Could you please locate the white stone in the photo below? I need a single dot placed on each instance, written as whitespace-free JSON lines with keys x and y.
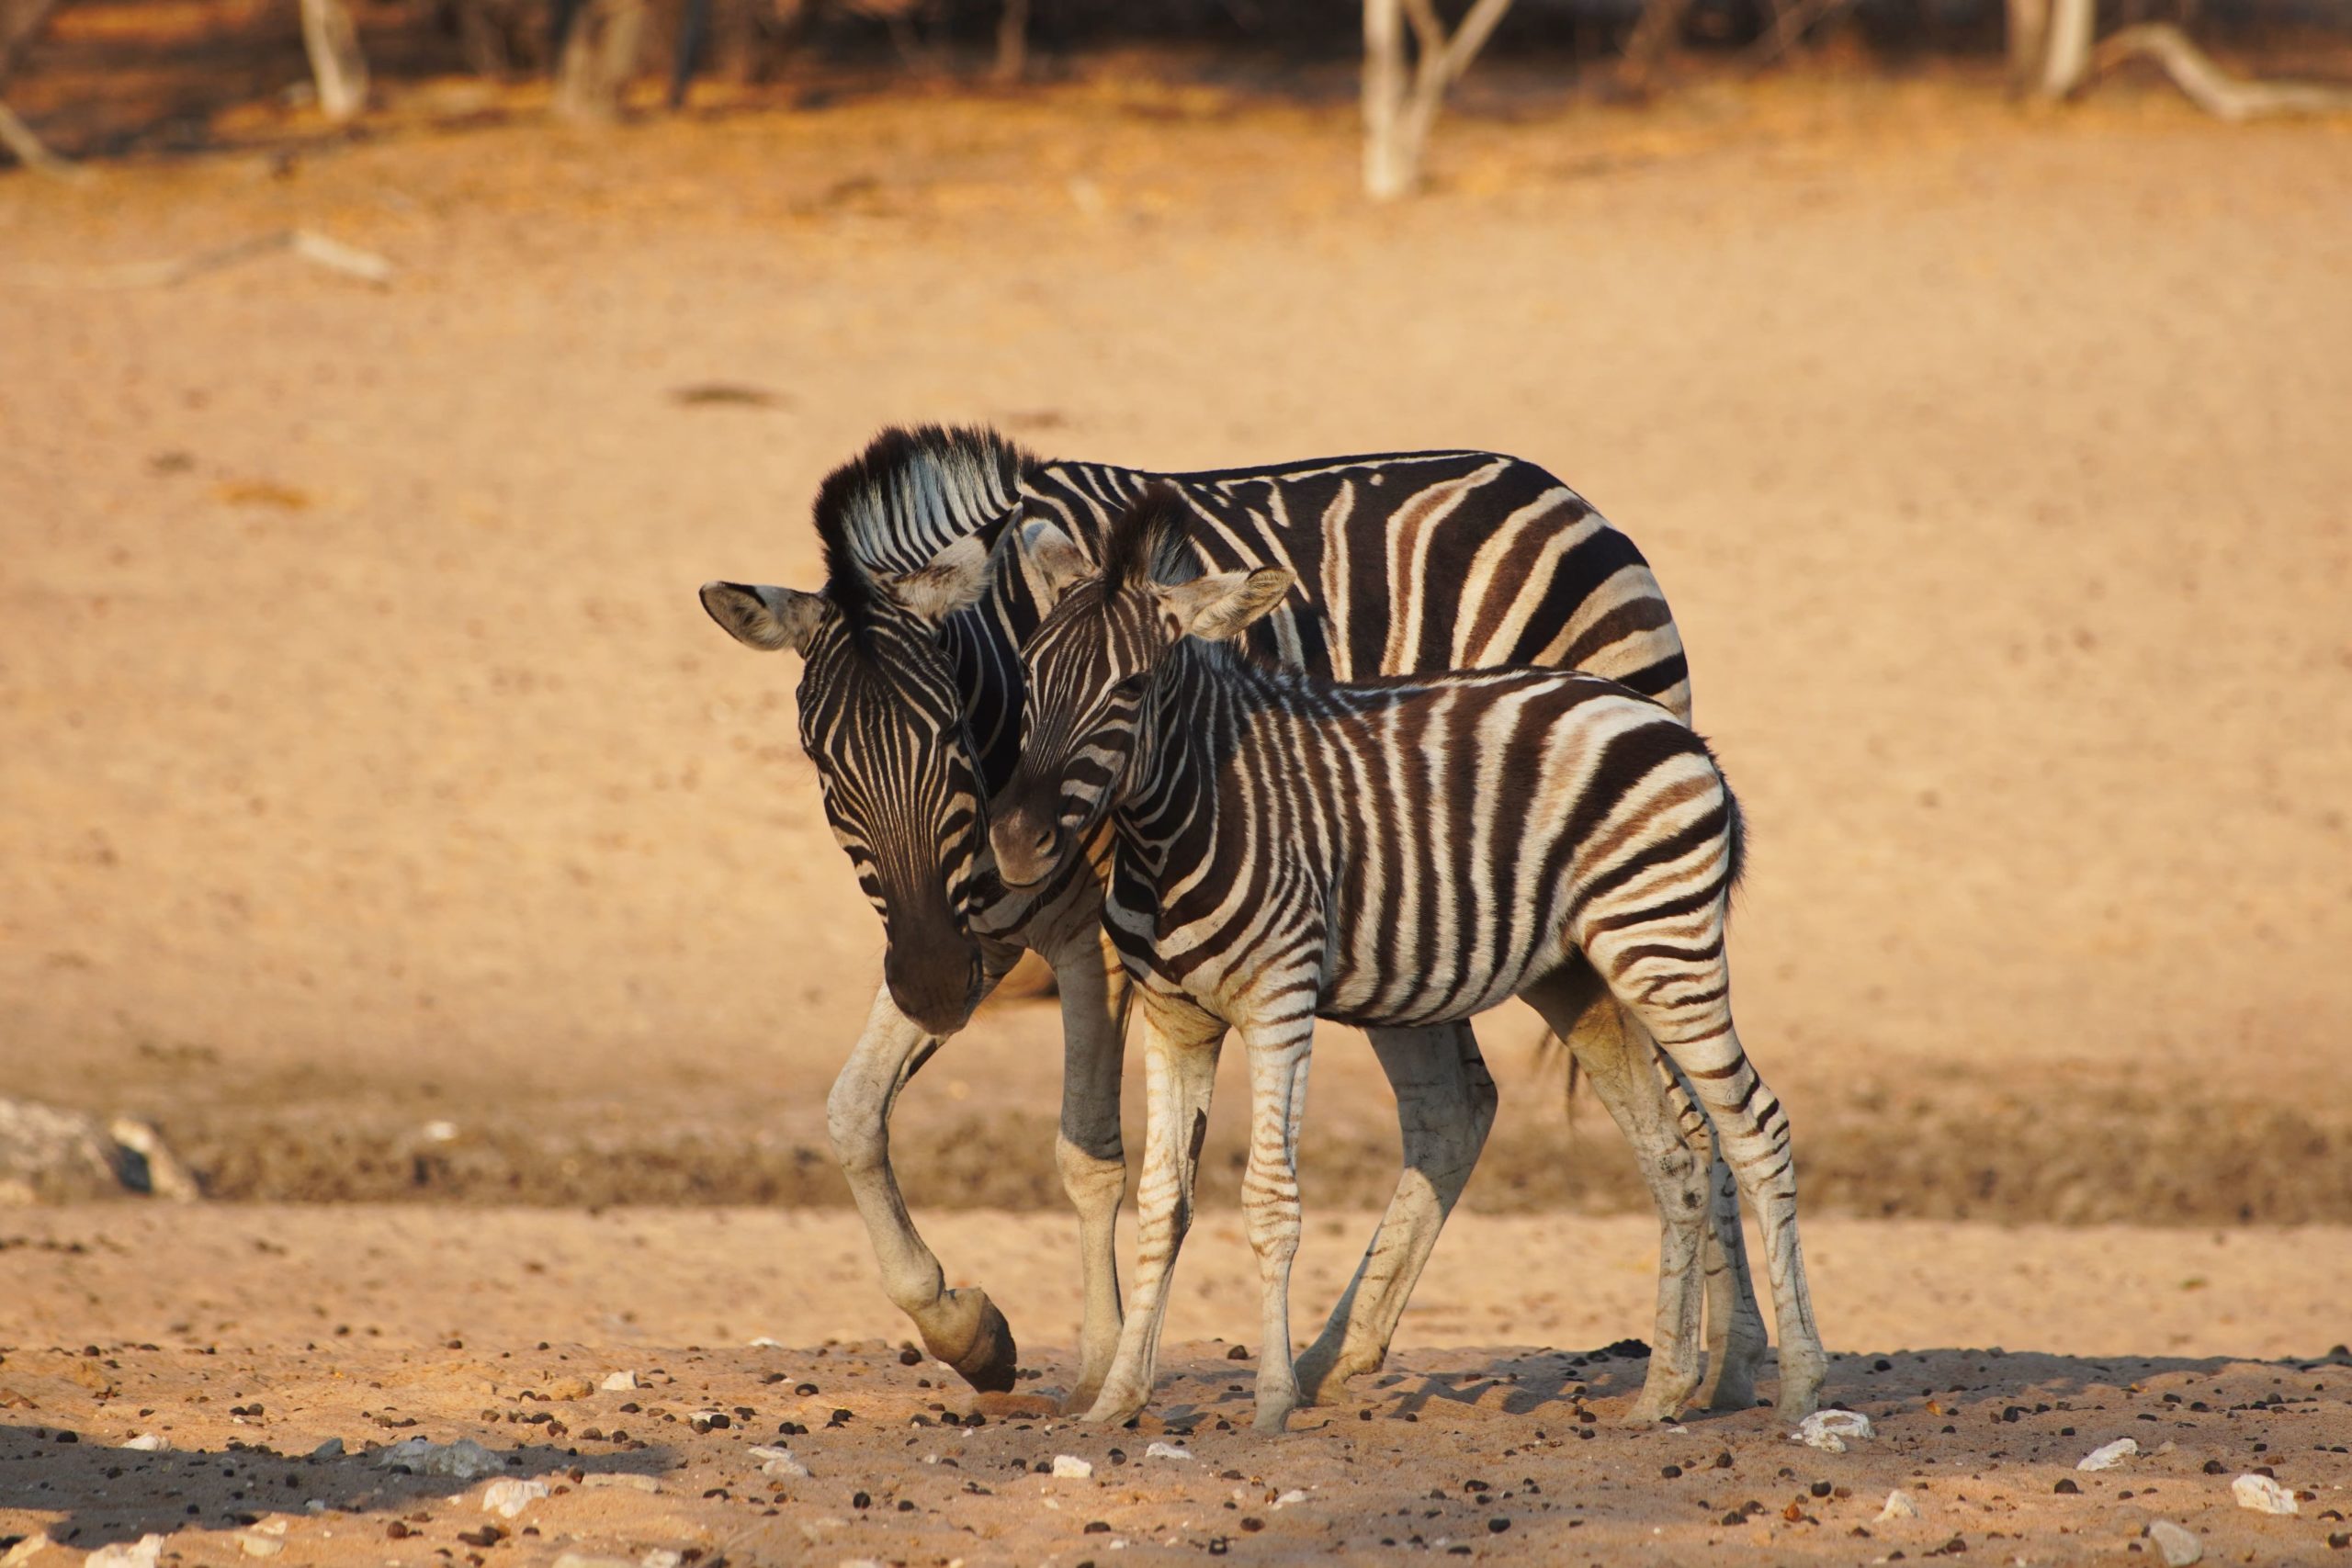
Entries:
{"x":1831,"y":1430}
{"x":2107,"y":1456}
{"x":779,"y":1461}
{"x":582,"y":1560}
{"x":662,"y":1557}
{"x":1069,"y":1467}
{"x":1167,"y":1451}
{"x":626,"y":1479}
{"x":1899,"y":1505}
{"x":2178,"y":1546}
{"x":511,"y":1496}
{"x":260,"y":1545}
{"x":141,"y":1553}
{"x":331,"y":1448}
{"x":464,"y":1459}
{"x":149,"y":1443}
{"x":25,"y":1550}
{"x":2263,"y":1496}
{"x":618,"y":1382}
{"x":1293,"y":1496}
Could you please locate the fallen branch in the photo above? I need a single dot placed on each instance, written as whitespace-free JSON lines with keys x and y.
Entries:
{"x":314,"y":248}
{"x":2209,"y":88}
{"x":19,"y":139}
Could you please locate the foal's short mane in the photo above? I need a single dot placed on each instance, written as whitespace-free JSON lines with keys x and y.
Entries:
{"x":913,"y":491}
{"x":1149,"y":541}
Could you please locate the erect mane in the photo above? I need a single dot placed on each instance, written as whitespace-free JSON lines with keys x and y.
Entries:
{"x":1150,"y":542}
{"x":911,"y":494}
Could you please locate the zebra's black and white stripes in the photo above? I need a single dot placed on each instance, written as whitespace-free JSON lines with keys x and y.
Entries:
{"x":1395,"y":852}
{"x":911,"y":705}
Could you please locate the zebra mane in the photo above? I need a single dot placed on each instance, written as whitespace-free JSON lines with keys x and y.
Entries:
{"x":912,"y":492}
{"x":1150,"y":542}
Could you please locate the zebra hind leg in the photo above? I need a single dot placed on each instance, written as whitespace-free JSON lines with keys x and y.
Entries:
{"x":1445,"y":1106}
{"x":1614,"y":1051}
{"x":1679,"y":989}
{"x":1736,"y":1337}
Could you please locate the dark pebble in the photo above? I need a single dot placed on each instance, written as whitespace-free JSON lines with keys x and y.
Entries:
{"x":1821,"y":1489}
{"x":1238,"y":1353}
{"x":1671,"y":1472}
{"x":1497,"y":1526}
{"x":2066,"y":1484}
{"x":1253,"y":1524}
{"x":910,"y":1357}
{"x":861,"y":1500}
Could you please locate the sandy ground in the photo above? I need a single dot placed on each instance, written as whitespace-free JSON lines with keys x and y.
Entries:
{"x":378,"y":813}
{"x":1991,"y":1359}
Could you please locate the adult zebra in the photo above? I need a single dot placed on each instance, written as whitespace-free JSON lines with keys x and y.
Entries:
{"x":1391,"y":853}
{"x":910,"y":704}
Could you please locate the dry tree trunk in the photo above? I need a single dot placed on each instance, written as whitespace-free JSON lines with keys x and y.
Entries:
{"x":1398,"y":114}
{"x":600,"y":52}
{"x":2029,"y":32}
{"x":1654,"y":30}
{"x":2067,"y":47}
{"x":1013,"y":41}
{"x":336,"y":65}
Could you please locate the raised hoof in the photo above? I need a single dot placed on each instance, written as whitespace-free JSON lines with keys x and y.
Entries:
{"x":1081,"y":1400}
{"x":986,"y":1357}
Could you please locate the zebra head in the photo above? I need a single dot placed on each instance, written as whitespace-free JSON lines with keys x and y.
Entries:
{"x":1089,"y":666}
{"x":883,"y":713}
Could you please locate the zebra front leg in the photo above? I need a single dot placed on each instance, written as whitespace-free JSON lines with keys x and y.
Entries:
{"x":1736,"y":1337}
{"x":1093,"y":1161}
{"x":1616,"y":1053}
{"x":960,"y":1327}
{"x":1180,"y":1051}
{"x":1445,"y":1107}
{"x":1280,"y":1049}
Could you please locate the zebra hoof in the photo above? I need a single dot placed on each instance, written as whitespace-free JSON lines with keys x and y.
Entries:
{"x":1324,"y":1380}
{"x":982,"y":1353}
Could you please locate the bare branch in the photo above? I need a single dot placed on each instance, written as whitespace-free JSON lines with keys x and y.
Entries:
{"x":19,"y":139}
{"x":2206,"y":84}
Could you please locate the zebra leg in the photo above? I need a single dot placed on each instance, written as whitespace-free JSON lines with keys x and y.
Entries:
{"x":1680,"y":992}
{"x":1180,"y":1050}
{"x":1736,"y":1337}
{"x":961,"y":1327}
{"x":1280,"y":1050}
{"x":1615,"y":1053}
{"x":1093,"y":1161}
{"x":1445,"y":1107}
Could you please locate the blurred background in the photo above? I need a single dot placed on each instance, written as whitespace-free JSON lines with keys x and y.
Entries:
{"x":381,"y":816}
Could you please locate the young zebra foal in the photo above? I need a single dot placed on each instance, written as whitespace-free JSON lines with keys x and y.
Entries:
{"x":1393,"y":853}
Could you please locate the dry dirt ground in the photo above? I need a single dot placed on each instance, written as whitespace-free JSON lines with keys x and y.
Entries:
{"x":247,"y":1336}
{"x":380,"y":815}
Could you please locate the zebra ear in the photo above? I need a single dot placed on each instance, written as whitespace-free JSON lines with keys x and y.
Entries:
{"x":1221,"y":605}
{"x":1054,"y":562}
{"x":951,"y":581}
{"x":764,"y":619}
